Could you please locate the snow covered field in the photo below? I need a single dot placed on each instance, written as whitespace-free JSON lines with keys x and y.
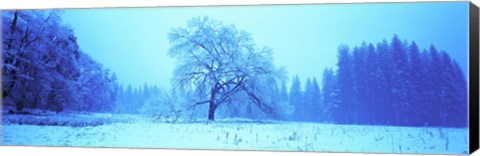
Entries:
{"x":245,"y":135}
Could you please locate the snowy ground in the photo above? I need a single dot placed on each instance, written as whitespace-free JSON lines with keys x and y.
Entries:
{"x":283,"y":136}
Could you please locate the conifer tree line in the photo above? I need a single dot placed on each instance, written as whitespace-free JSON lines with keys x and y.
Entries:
{"x":390,"y":83}
{"x":135,"y":100}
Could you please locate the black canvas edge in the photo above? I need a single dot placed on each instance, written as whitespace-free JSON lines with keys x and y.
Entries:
{"x":473,"y":78}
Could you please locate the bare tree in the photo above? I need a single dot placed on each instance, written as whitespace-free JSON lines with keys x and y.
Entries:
{"x":218,"y":61}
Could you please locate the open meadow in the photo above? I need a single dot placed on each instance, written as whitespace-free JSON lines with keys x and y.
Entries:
{"x":234,"y":134}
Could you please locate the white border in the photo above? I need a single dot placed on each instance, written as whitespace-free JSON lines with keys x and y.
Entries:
{"x":77,"y":151}
{"x":48,"y":4}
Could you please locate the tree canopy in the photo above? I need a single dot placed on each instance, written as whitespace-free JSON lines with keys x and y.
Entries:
{"x":44,"y":68}
{"x":218,"y":61}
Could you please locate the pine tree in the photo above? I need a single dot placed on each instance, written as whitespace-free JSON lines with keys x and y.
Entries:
{"x":329,"y":111}
{"x":384,"y":81}
{"x":316,"y":100}
{"x":417,"y":71}
{"x":447,"y":90}
{"x":283,"y":101}
{"x":146,"y":91}
{"x":434,"y":102}
{"x":128,"y":103}
{"x":307,"y":103}
{"x":296,"y":98}
{"x":283,"y":91}
{"x":360,"y":85}
{"x":459,"y":101}
{"x":400,"y":82}
{"x":345,"y":85}
{"x":371,"y":90}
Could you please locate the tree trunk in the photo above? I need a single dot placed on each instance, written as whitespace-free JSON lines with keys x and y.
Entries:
{"x":212,"y":107}
{"x":14,"y":22}
{"x":211,"y":111}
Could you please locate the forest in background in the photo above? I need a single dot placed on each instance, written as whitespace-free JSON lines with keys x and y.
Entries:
{"x":395,"y":83}
{"x":223,"y":73}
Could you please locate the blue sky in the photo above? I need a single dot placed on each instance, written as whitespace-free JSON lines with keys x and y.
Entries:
{"x":133,"y":41}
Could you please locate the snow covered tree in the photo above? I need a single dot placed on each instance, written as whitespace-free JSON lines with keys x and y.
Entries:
{"x":311,"y":101}
{"x":400,"y":83}
{"x":315,"y":99}
{"x":384,"y":84}
{"x":345,"y":85}
{"x":283,"y":94}
{"x":43,"y":67}
{"x":418,"y":73}
{"x":329,"y":97}
{"x":360,"y":86}
{"x":286,"y":108}
{"x":37,"y":49}
{"x":218,"y":61}
{"x":459,"y":103}
{"x":433,"y":87}
{"x":146,"y":91}
{"x":396,"y":84}
{"x":305,"y":106}
{"x":371,"y":63}
{"x":296,"y":98}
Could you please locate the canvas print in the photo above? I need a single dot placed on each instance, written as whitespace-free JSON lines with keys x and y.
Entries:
{"x":370,"y":78}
